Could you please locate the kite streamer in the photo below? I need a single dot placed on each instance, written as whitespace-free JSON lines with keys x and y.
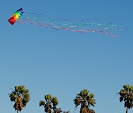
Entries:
{"x":82,"y":26}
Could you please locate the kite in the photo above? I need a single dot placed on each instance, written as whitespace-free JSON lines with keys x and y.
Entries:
{"x":93,"y":25}
{"x":15,"y":16}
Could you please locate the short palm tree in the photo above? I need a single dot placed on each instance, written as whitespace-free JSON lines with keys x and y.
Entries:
{"x":20,"y":96}
{"x":85,"y":100}
{"x":49,"y":103}
{"x":126,"y":95}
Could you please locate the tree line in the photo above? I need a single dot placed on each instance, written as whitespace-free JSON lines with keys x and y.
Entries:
{"x":21,"y":96}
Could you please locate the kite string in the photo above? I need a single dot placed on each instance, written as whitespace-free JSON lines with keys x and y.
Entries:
{"x":33,"y":13}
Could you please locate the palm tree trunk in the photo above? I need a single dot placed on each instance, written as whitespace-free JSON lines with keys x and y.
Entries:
{"x":126,"y":110}
{"x":17,"y":111}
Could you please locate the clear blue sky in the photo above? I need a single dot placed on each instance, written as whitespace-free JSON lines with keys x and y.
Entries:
{"x":63,"y":62}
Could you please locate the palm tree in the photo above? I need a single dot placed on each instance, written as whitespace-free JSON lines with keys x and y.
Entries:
{"x":20,"y":96}
{"x":126,"y":95}
{"x":49,"y":103}
{"x":85,"y":100}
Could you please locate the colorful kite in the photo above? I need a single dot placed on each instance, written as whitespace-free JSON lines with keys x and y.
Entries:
{"x":81,"y":26}
{"x":15,"y":16}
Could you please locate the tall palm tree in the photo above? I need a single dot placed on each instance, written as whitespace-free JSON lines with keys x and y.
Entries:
{"x":20,"y":96}
{"x":85,"y":100}
{"x":126,"y":95}
{"x":49,"y":103}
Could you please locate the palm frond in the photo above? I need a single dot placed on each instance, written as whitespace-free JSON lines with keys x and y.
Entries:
{"x":121,"y":99}
{"x":91,"y":95}
{"x":41,"y":103}
{"x":48,"y":97}
{"x":84,"y":92}
{"x":77,"y":101}
{"x":26,"y":91}
{"x":54,"y":100}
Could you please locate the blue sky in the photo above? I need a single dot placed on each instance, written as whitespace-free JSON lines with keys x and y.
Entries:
{"x":63,"y":62}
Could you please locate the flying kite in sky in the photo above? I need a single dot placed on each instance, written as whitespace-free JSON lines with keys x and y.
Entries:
{"x":82,"y":26}
{"x":15,"y":16}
